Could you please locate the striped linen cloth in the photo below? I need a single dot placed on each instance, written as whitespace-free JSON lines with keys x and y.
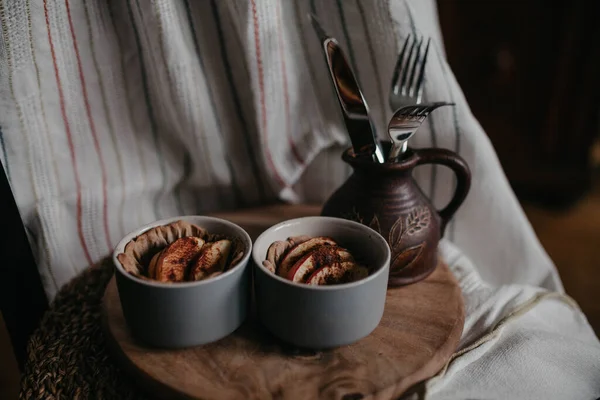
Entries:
{"x":117,"y":113}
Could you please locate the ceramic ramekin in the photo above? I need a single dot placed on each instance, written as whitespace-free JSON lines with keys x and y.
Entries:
{"x":321,"y":317}
{"x":190,"y":313}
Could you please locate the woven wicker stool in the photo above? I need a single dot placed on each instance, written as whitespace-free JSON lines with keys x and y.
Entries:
{"x":67,"y":356}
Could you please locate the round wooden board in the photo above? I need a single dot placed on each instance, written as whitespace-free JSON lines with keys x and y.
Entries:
{"x":420,"y":330}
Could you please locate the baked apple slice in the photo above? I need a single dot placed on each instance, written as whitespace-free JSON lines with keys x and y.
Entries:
{"x":212,"y":259}
{"x":299,"y":251}
{"x":324,"y":255}
{"x":278,"y":249}
{"x":344,"y":272}
{"x":171,"y":264}
{"x":152,"y":265}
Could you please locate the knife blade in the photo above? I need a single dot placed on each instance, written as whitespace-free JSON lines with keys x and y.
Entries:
{"x":352,"y":102}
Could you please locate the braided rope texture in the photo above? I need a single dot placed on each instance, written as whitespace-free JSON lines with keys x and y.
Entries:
{"x":67,"y":356}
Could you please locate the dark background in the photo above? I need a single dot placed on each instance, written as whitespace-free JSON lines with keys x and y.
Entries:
{"x":530,"y":71}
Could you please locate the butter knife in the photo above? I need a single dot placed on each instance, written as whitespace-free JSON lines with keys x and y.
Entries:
{"x":352,"y":102}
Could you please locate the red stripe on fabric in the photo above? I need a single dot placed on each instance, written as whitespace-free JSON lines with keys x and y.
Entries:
{"x":92,"y":128}
{"x":286,"y":98}
{"x":69,"y":139}
{"x":261,"y":89}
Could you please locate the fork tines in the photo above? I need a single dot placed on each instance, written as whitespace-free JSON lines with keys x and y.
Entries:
{"x":422,"y":109}
{"x":405,"y":71}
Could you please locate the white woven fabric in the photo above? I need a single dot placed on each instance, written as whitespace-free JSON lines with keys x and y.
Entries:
{"x":520,"y":341}
{"x":118,"y":113}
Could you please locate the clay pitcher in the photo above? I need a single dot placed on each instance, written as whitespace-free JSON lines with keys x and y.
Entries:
{"x":387,"y":198}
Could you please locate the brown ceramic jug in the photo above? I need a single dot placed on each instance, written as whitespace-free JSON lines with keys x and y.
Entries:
{"x":387,"y":198}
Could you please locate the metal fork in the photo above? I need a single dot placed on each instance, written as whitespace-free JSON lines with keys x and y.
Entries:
{"x":405,"y":122}
{"x":407,"y":81}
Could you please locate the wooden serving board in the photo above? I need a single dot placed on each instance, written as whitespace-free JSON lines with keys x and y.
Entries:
{"x":420,"y":330}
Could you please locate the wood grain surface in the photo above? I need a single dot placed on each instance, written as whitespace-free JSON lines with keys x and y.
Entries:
{"x":420,"y":329}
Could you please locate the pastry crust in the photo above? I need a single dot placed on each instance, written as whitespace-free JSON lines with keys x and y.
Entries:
{"x":278,"y":248}
{"x":167,"y":253}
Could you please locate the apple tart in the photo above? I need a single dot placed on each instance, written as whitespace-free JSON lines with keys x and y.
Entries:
{"x":313,"y":261}
{"x":180,"y":252}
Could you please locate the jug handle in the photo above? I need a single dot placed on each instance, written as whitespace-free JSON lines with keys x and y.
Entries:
{"x":463,"y":178}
